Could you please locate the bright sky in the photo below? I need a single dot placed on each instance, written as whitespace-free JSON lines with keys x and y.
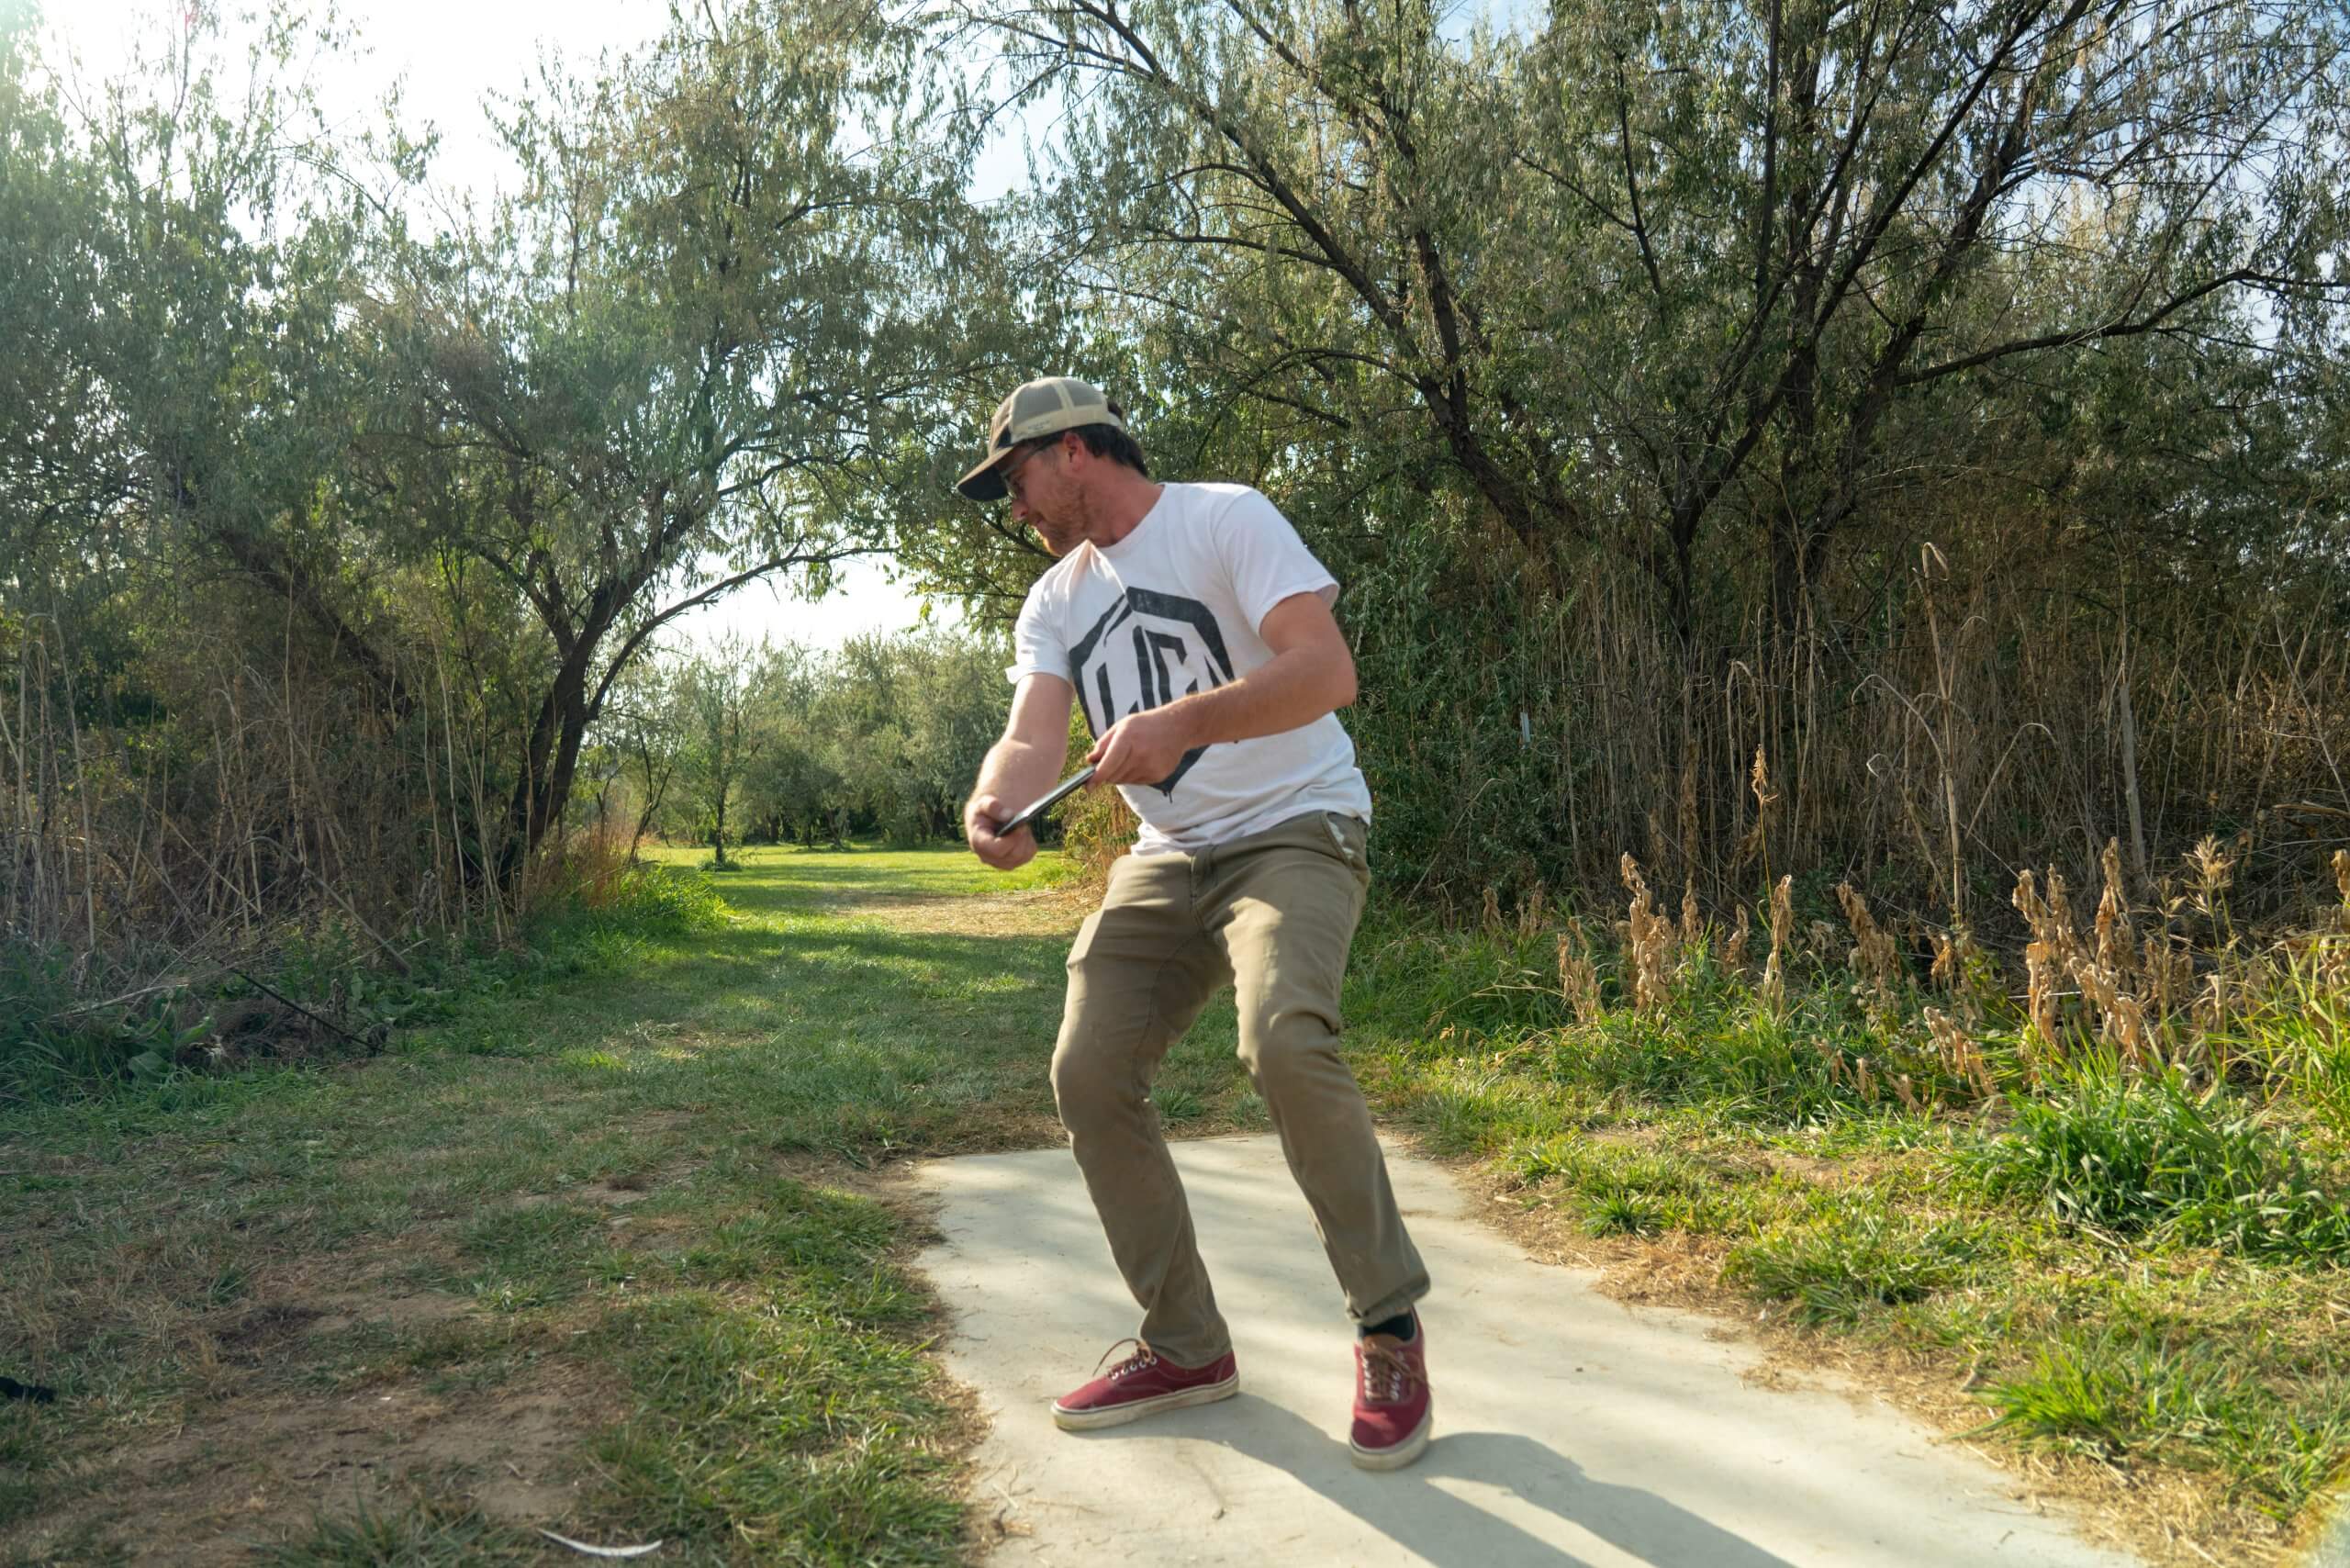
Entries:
{"x":449,"y":56}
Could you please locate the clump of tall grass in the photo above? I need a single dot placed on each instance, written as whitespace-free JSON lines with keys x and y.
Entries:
{"x":2151,"y":1157}
{"x":1861,"y":1261}
{"x":2114,"y":1393}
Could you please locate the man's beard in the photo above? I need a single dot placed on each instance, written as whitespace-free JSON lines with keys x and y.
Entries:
{"x":1060,"y":535}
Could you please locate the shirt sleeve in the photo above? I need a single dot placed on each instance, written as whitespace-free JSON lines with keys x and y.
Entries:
{"x":1037,"y":647}
{"x":1267,"y":561}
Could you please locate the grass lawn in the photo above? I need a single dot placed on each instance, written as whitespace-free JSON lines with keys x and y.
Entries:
{"x":600,"y":1245}
{"x":614,"y":1241}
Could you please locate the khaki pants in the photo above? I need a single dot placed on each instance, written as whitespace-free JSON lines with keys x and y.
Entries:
{"x":1272,"y":913}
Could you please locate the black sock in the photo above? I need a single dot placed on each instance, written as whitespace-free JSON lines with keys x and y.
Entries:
{"x":1395,"y":1328}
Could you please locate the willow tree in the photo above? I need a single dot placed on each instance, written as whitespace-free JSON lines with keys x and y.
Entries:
{"x":1729,"y":301}
{"x":1610,"y":264}
{"x":684,"y":355}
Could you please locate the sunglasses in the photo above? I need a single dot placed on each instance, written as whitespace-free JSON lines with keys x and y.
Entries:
{"x":1011,"y":469}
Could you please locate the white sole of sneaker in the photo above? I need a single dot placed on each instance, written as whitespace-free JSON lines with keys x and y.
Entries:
{"x":1119,"y":1414}
{"x":1402,"y":1453}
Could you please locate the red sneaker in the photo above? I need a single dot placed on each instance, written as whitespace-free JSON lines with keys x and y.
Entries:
{"x":1144,"y":1384}
{"x":1394,"y":1412}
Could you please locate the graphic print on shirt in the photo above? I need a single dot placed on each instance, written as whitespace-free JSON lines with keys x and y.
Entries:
{"x":1144,"y":653}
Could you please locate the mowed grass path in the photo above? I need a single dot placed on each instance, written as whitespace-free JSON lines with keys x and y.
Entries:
{"x":609,"y":1248}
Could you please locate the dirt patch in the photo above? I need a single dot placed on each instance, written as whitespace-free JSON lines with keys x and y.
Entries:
{"x":2169,"y":1519}
{"x":401,"y":1311}
{"x":248,"y":1339}
{"x":264,"y":1467}
{"x":616,"y":1194}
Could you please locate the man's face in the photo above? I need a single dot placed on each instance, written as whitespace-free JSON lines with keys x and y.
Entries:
{"x":1043,"y":496}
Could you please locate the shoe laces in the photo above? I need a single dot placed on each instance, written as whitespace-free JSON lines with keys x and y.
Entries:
{"x":1387,"y":1373}
{"x":1143,"y":1359}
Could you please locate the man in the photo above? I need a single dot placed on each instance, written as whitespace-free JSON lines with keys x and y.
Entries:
{"x":1195,"y":628}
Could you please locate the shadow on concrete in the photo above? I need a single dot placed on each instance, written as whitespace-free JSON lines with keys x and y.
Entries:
{"x":1410,"y":1508}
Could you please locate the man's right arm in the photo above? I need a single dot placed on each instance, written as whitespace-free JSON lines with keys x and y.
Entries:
{"x":1022,"y":766}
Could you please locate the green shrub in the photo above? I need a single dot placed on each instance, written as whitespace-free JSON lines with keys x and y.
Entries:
{"x":55,"y":1045}
{"x":662,"y":900}
{"x":2153,"y":1158}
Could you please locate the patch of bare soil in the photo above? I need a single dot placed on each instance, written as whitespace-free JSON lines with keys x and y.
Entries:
{"x":258,"y":1460}
{"x":615,"y":1193}
{"x":265,"y":1469}
{"x":2171,"y":1519}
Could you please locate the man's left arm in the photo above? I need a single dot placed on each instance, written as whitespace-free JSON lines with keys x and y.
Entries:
{"x":1312,"y":672}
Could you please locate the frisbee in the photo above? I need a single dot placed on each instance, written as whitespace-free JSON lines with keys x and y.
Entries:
{"x":1059,"y":793}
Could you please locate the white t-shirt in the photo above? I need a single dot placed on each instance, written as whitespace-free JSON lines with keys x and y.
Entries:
{"x":1175,"y":607}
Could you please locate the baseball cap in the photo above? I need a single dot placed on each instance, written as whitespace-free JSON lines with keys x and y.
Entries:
{"x":1035,"y":408}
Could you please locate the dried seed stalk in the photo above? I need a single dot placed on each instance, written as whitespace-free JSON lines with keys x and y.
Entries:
{"x":1578,"y":976}
{"x":1648,"y":939}
{"x":2116,"y":941}
{"x":1874,"y":955}
{"x":1734,"y":950}
{"x":2039,"y":977}
{"x":1958,"y":1052}
{"x":2214,"y":874}
{"x":2122,"y":1022}
{"x":2166,"y":973}
{"x":2049,"y":953}
{"x":1759,"y":780}
{"x":1956,"y":960}
{"x":1783,"y":920}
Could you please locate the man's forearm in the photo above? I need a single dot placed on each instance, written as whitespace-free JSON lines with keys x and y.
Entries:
{"x":1286,"y":692}
{"x":1016,"y":771}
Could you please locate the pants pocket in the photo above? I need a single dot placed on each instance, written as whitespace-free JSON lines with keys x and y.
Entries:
{"x":1350,"y":840}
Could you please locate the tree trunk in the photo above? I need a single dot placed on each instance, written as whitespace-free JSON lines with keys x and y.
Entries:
{"x":549,"y":761}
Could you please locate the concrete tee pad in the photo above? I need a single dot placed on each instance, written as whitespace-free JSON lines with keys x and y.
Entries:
{"x":1571,"y":1430}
